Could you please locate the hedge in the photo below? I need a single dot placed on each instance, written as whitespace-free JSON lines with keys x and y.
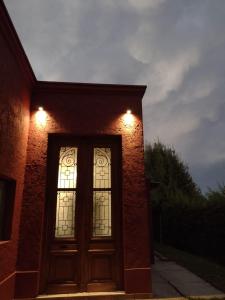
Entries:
{"x":198,"y":229}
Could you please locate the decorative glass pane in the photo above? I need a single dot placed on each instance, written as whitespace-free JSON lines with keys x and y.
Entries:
{"x":102,"y":214}
{"x":67,"y":176}
{"x":102,"y":168}
{"x":65,"y":212}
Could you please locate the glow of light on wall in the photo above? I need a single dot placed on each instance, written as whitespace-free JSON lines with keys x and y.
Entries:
{"x":128,"y":119}
{"x":41,"y":117}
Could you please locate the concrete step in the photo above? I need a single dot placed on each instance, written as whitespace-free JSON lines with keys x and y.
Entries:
{"x":118,"y":295}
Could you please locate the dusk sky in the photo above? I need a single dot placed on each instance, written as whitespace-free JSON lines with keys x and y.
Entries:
{"x":175,"y":47}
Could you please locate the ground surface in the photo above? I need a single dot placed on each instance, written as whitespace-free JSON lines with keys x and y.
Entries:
{"x":171,"y":280}
{"x":208,"y":270}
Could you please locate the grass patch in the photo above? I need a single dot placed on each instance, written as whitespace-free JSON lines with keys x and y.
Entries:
{"x":209,"y":271}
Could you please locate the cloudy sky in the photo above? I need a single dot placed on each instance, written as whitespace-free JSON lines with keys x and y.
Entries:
{"x":175,"y":47}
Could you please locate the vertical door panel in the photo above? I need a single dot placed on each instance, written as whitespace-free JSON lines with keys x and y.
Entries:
{"x":103,"y":253}
{"x":64,"y":256}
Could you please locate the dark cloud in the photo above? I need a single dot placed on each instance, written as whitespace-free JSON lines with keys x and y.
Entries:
{"x":176,"y":47}
{"x":210,"y":175}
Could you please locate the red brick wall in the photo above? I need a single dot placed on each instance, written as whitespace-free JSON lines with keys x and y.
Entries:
{"x":14,"y":123}
{"x":88,"y":110}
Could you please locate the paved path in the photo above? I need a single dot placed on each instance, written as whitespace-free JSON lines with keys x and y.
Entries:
{"x":171,"y":280}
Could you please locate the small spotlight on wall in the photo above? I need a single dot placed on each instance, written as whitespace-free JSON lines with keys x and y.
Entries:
{"x":128,"y":118}
{"x":41,"y":116}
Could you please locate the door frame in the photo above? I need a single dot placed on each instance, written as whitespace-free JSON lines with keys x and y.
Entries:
{"x":53,"y":140}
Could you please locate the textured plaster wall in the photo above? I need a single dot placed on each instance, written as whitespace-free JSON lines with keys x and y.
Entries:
{"x":83,"y":113}
{"x":14,"y":123}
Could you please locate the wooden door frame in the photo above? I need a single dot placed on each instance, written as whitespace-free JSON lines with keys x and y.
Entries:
{"x":57,"y":139}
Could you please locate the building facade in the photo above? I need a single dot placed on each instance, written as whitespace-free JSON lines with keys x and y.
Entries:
{"x":73,"y":202}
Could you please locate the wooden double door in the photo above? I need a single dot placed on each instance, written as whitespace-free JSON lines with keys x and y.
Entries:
{"x":82,"y":247}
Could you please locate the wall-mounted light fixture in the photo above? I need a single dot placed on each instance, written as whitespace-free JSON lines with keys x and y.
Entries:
{"x":128,"y":118}
{"x":41,"y":116}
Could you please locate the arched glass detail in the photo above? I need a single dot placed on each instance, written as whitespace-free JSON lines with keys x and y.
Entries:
{"x":102,"y":217}
{"x":66,"y":193}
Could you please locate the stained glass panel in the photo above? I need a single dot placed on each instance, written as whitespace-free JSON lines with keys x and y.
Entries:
{"x":65,"y":212}
{"x":67,"y":175}
{"x":102,"y":168}
{"x":102,"y":213}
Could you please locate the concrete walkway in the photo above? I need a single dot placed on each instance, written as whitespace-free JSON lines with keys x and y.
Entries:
{"x":171,"y":280}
